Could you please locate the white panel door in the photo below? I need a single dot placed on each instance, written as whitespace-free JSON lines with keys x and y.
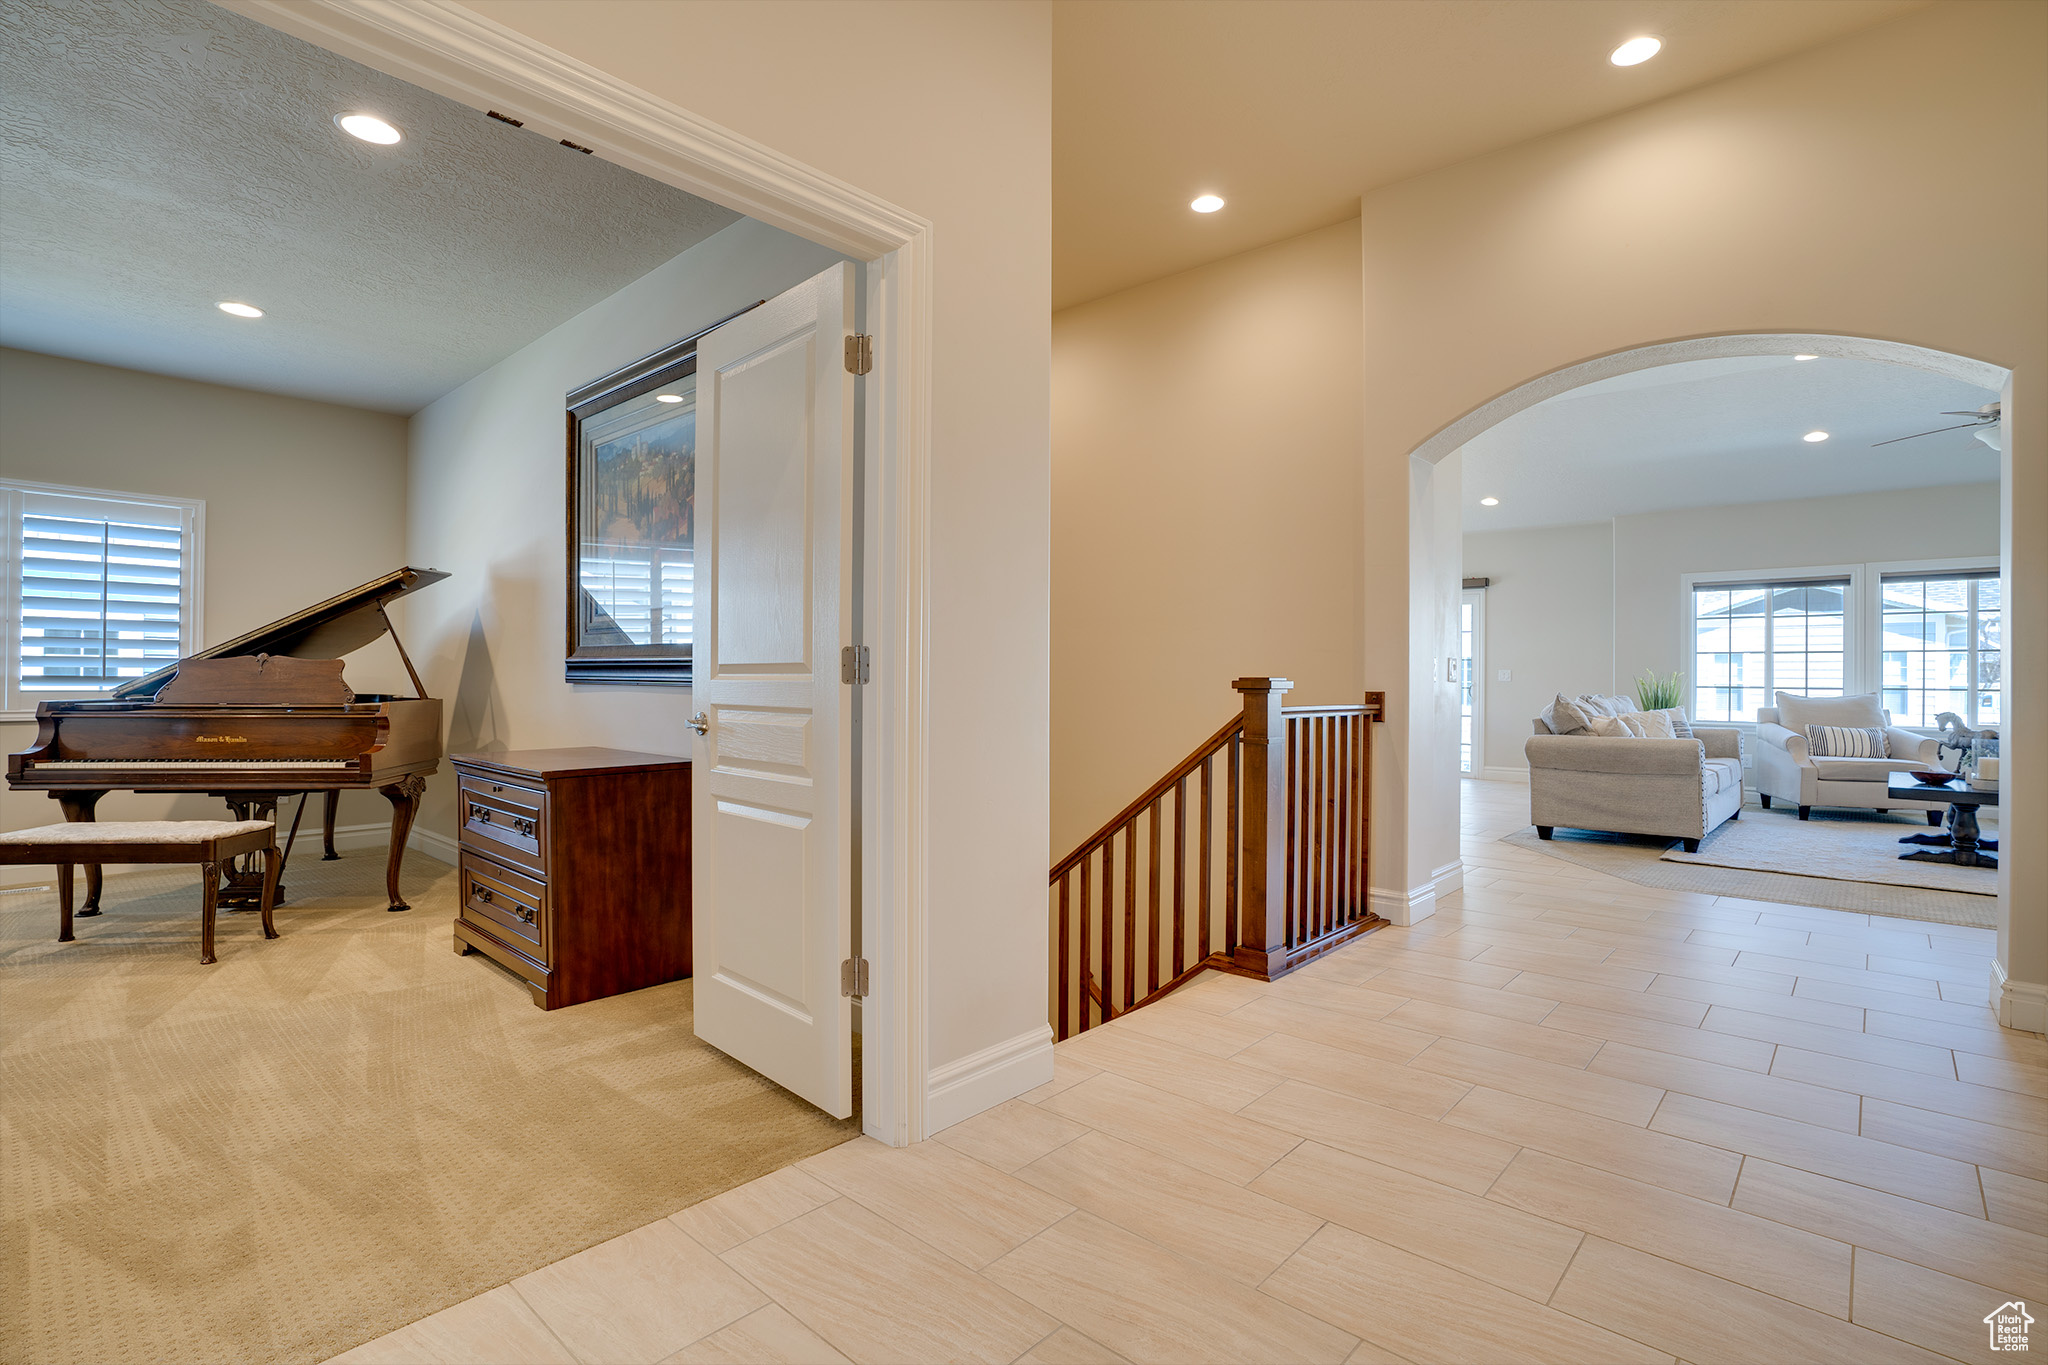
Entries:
{"x":771,"y":797}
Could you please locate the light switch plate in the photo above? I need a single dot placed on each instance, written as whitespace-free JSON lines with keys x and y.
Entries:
{"x":1505,"y":675}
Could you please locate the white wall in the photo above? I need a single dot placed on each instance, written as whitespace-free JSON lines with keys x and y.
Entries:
{"x":303,"y":500}
{"x":1205,"y":511}
{"x":1588,"y":608}
{"x":1812,"y":195}
{"x":486,"y":497}
{"x":945,"y":110}
{"x":1549,"y":622}
{"x":1651,"y":551}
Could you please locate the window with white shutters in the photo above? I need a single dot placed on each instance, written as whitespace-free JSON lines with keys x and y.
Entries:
{"x":102,"y":588}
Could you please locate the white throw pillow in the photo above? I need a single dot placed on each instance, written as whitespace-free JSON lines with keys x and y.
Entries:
{"x":1862,"y":712}
{"x":1570,"y":716}
{"x":1634,"y":725}
{"x":1655,"y":724}
{"x":1681,"y":728}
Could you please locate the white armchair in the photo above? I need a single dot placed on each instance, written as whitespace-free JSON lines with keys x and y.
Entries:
{"x":1785,"y":770}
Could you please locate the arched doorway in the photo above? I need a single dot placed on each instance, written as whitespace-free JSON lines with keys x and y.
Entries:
{"x":1435,"y":555}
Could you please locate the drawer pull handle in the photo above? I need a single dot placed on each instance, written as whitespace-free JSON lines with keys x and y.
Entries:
{"x":524,"y":913}
{"x":481,"y":893}
{"x":479,"y":814}
{"x":524,"y":826}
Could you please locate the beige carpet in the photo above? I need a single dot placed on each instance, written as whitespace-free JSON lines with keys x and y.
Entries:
{"x":1639,"y":859}
{"x":1851,"y":848}
{"x":325,"y":1137}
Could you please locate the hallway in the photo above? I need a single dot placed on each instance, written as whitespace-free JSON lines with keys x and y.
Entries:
{"x":1567,"y":1118}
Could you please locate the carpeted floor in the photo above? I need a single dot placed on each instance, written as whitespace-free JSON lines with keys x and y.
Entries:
{"x":327,"y":1136}
{"x":1861,"y":846}
{"x":1643,"y":860}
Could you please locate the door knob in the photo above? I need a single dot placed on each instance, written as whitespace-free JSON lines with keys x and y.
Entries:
{"x":701,"y":723}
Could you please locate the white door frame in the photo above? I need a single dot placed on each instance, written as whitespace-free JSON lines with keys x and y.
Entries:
{"x":1477,"y":597}
{"x":458,"y":53}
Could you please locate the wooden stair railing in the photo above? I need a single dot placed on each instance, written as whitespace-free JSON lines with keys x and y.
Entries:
{"x":1293,"y":821}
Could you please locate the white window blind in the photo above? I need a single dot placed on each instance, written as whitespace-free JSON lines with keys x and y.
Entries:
{"x":101,"y":589}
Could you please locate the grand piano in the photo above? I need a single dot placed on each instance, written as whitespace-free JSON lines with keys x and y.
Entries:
{"x":252,"y":721}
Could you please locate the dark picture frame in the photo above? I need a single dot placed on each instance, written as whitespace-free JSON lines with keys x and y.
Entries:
{"x":631,"y":520}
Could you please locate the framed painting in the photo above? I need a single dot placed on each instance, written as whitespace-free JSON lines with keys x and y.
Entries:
{"x":632,"y":517}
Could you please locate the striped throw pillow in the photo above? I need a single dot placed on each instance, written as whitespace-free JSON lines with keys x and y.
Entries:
{"x":1845,"y":741}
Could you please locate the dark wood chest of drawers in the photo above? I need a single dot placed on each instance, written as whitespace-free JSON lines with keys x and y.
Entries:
{"x":575,"y":868}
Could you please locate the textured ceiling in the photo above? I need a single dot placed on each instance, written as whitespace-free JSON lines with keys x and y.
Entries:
{"x":1291,"y":109}
{"x":163,"y":155}
{"x":1705,"y":433}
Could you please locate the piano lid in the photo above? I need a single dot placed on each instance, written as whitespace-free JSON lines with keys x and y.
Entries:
{"x":338,"y":626}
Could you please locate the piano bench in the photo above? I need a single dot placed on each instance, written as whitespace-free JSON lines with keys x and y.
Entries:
{"x":209,"y":843}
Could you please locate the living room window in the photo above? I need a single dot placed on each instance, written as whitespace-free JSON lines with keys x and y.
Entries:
{"x":101,"y":588}
{"x":1751,"y":639}
{"x":1941,"y":646}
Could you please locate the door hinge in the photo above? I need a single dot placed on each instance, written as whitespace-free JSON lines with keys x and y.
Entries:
{"x":860,"y":353}
{"x":853,"y":977}
{"x":853,"y":664}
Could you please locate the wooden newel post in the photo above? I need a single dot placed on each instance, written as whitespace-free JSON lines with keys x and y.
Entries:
{"x":1262,"y":940}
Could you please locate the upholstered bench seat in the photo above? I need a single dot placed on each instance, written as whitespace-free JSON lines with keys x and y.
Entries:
{"x":209,"y":843}
{"x":134,"y":832}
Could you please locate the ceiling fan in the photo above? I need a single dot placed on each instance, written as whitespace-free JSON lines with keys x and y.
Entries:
{"x":1984,"y":421}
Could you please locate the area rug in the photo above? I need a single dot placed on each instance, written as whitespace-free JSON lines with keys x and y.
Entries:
{"x":328,"y":1136}
{"x":1639,"y":859}
{"x":1850,"y":848}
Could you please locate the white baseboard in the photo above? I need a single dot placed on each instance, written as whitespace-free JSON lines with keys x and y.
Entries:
{"x":1419,"y":903}
{"x":1504,"y":775}
{"x":2020,"y":1004}
{"x":348,"y":838}
{"x":1403,"y":907}
{"x":982,"y":1080}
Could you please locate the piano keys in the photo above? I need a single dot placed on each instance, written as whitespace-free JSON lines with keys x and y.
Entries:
{"x":251,"y":721}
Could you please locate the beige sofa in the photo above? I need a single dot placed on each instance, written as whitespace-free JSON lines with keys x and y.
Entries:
{"x":1675,"y":788}
{"x":1786,"y":771}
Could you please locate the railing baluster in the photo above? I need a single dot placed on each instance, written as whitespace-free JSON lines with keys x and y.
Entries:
{"x":1360,"y":895}
{"x":1232,"y":798}
{"x":1065,"y":928}
{"x":1340,"y":788}
{"x":1108,"y":984}
{"x":1180,"y":877}
{"x":1293,"y":781}
{"x":1152,"y":906}
{"x":1202,"y":948}
{"x":1087,"y":967}
{"x":1131,"y":913}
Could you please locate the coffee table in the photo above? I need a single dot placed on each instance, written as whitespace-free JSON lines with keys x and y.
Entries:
{"x":1960,"y":845}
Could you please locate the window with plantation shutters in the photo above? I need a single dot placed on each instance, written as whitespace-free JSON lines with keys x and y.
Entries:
{"x":101,"y":589}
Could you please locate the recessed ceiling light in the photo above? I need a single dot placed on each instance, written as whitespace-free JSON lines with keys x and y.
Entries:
{"x":1815,"y":436}
{"x":668,"y":398}
{"x":1489,"y":502}
{"x":368,"y":127}
{"x":1635,"y":51}
{"x":240,"y":310}
{"x":1207,"y":203}
{"x":1806,"y":357}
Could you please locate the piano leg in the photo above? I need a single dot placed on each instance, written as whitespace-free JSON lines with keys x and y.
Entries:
{"x":327,"y":826}
{"x":404,"y":795}
{"x":79,"y":806}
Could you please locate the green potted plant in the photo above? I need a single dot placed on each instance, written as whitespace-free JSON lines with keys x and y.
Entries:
{"x":1660,"y":694}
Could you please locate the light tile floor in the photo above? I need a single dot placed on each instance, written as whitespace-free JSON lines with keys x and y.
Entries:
{"x":1568,"y":1119}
